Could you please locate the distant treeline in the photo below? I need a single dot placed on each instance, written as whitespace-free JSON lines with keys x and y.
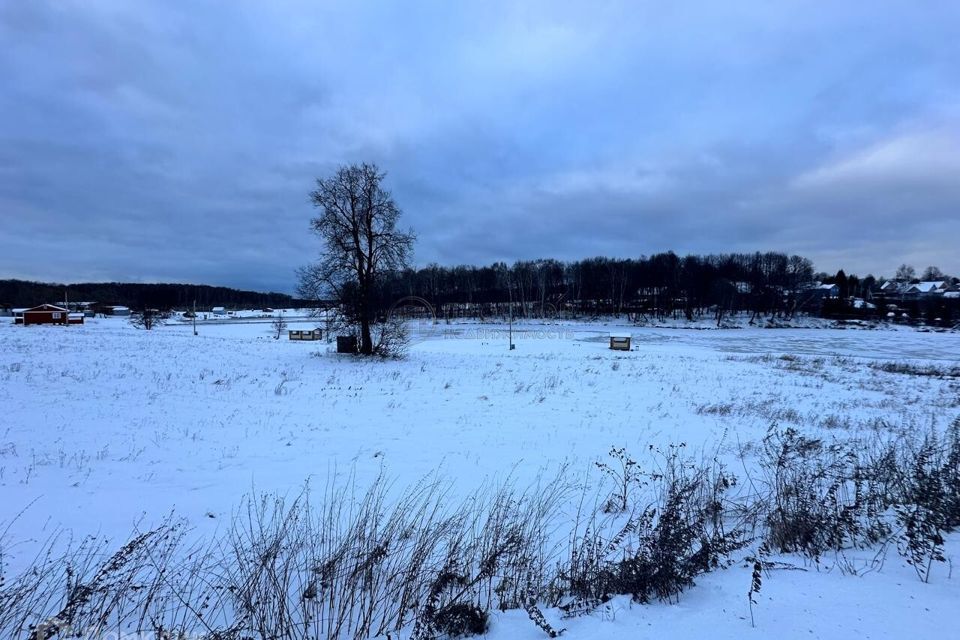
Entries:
{"x":662,"y":284}
{"x":693,"y":286}
{"x":21,"y":293}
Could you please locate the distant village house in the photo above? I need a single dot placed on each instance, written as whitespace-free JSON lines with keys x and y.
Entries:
{"x":46,"y":314}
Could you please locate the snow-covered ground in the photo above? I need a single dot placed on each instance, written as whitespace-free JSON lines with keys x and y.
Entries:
{"x":104,"y":426}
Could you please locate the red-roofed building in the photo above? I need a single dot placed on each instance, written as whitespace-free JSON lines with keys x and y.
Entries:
{"x":44,"y":314}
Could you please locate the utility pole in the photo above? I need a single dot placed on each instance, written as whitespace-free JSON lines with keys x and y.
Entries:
{"x":510,"y":289}
{"x":194,"y":316}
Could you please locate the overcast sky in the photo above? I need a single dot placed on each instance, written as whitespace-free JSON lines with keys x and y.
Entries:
{"x":177,"y":141}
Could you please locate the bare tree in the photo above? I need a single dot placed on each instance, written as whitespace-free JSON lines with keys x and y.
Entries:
{"x":905,"y":273}
{"x":279,"y":325}
{"x":358,"y":227}
{"x":149,"y":318}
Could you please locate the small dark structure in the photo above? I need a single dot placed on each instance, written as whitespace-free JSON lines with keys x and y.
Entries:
{"x":620,"y":341}
{"x":346,"y":344}
{"x":305,"y":334}
{"x":44,"y":314}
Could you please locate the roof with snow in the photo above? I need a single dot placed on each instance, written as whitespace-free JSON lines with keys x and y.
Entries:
{"x":45,"y":307}
{"x":927,"y":287}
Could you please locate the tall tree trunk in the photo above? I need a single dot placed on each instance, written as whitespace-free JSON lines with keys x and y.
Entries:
{"x":366,"y":340}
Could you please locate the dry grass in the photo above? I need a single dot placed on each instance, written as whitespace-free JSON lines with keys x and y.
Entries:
{"x":359,"y":564}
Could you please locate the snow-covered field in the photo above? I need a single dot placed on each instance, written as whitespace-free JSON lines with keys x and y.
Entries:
{"x":104,"y":426}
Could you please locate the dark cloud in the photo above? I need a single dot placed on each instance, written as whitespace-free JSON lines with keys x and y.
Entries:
{"x":178,"y":141}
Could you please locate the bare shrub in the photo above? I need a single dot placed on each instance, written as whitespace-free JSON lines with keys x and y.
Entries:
{"x":391,"y":338}
{"x":821,"y":497}
{"x":149,"y":318}
{"x":926,"y":511}
{"x":910,"y":369}
{"x":278,"y":325}
{"x":462,"y":620}
{"x":624,"y":473}
{"x":658,"y":551}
